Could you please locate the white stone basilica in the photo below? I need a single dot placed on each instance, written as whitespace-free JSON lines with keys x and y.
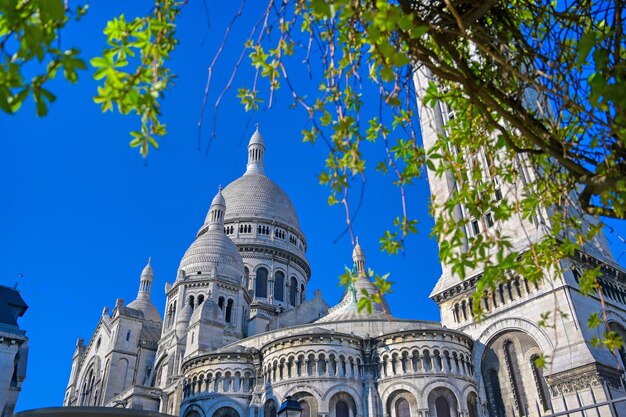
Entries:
{"x":239,"y":333}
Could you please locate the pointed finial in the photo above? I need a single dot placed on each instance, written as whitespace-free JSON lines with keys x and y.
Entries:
{"x":219,"y":188}
{"x":256,"y":125}
{"x":357,"y":240}
{"x":149,"y":260}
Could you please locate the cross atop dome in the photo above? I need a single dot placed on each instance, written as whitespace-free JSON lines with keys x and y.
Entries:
{"x":256,"y":151}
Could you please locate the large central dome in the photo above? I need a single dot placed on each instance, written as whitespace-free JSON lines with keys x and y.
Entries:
{"x":255,"y":195}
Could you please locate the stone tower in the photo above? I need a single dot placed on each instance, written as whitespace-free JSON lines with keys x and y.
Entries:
{"x":510,"y":338}
{"x":206,"y":306}
{"x":120,"y":354}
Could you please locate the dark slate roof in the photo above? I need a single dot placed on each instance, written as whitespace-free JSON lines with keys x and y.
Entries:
{"x":150,"y":333}
{"x":12,"y":305}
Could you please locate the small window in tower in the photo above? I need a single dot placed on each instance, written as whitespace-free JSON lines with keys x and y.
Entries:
{"x":489,"y":219}
{"x":475,"y":227}
{"x":98,"y":343}
{"x":498,"y":194}
{"x":128,"y":335}
{"x":229,"y":310}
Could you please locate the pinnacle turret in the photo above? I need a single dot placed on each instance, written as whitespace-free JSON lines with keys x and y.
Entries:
{"x":215,"y":219}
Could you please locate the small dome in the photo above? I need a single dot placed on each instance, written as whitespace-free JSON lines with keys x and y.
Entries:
{"x":147,"y":270}
{"x":358,"y":253}
{"x":143,"y":302}
{"x":213,"y":251}
{"x":148,"y":309}
{"x":219,"y":198}
{"x":207,"y":311}
{"x":256,"y":138}
{"x":256,"y":196}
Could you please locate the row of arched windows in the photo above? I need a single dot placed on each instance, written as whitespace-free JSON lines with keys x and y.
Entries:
{"x":425,"y":361}
{"x":262,"y":230}
{"x":171,"y":313}
{"x":609,"y":289}
{"x":504,"y":293}
{"x":219,"y":381}
{"x":313,"y":365}
{"x":296,"y":295}
{"x":441,"y":403}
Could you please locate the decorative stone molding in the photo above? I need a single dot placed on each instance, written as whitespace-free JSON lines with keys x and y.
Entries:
{"x":575,"y":384}
{"x":572,"y":381}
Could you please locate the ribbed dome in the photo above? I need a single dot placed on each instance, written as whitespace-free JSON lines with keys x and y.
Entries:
{"x":255,"y":195}
{"x":213,"y":250}
{"x":143,"y":304}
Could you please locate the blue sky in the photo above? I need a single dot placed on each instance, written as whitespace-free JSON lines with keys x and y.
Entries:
{"x":80,"y":212}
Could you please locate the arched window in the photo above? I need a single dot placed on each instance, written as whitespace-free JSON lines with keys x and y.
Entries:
{"x":306,"y":409}
{"x":200,"y":299}
{"x":540,"y":383}
{"x":229,"y":310}
{"x":510,"y":356}
{"x":402,"y":408}
{"x":496,"y":405}
{"x":246,"y":277}
{"x":122,"y":368}
{"x":220,"y":303}
{"x":279,"y":286}
{"x":342,"y":409}
{"x":293,"y":291}
{"x":472,"y":404}
{"x":261,"y":283}
{"x":442,"y":407}
{"x":302,"y":294}
{"x":224,"y":412}
{"x":191,"y":300}
{"x":269,"y":409}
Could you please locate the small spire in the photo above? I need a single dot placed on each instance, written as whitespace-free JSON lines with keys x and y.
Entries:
{"x":215,"y":218}
{"x":145,"y":280}
{"x":358,"y":256}
{"x":256,"y":151}
{"x":147,"y":270}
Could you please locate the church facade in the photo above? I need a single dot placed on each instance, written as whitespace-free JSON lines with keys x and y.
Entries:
{"x":239,"y":333}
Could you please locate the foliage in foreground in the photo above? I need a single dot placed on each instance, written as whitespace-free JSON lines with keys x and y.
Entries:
{"x":535,"y":90}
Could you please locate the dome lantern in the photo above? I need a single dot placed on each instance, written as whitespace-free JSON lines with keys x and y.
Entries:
{"x":215,"y":218}
{"x":256,"y":151}
{"x":143,"y":302}
{"x":358,"y":257}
